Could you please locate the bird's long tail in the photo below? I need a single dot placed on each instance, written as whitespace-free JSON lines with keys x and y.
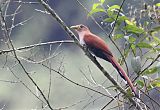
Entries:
{"x":123,"y":74}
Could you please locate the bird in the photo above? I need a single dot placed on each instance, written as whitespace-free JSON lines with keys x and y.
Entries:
{"x":99,"y":48}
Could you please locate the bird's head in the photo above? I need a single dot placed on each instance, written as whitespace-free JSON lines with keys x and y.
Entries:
{"x":80,"y":28}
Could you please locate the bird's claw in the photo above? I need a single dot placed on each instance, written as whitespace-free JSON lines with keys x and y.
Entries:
{"x":84,"y":47}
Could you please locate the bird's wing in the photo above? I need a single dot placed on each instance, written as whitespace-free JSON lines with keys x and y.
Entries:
{"x":92,"y":40}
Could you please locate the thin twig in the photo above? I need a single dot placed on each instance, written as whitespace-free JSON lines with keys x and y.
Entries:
{"x":19,"y":1}
{"x":50,"y":73}
{"x":7,"y":81}
{"x":25,"y":85}
{"x":36,"y":45}
{"x":69,"y":106}
{"x":158,"y":56}
{"x":61,"y":74}
{"x":4,"y":26}
{"x":65,"y":77}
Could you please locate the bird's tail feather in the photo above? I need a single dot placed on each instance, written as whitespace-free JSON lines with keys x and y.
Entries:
{"x":123,"y":74}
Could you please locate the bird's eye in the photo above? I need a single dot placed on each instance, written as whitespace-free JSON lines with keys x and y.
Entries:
{"x":81,"y":26}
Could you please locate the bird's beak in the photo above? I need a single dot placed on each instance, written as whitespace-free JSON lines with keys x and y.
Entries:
{"x":76,"y":27}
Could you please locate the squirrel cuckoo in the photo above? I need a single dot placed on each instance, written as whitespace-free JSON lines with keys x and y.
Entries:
{"x":99,"y":48}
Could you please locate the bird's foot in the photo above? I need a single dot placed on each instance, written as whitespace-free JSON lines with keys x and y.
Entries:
{"x":85,"y":47}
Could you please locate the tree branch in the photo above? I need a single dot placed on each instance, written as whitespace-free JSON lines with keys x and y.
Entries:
{"x":141,"y":72}
{"x":93,"y":59}
{"x":10,"y":44}
{"x":36,"y":45}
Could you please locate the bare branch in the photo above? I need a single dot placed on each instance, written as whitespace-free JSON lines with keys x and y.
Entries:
{"x":4,"y":26}
{"x":36,"y":45}
{"x":20,"y":81}
{"x":65,"y":77}
{"x":141,"y":72}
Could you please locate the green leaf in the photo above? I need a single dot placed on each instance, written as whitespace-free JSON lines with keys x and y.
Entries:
{"x":144,"y":45}
{"x":111,"y":14}
{"x":95,"y":5}
{"x":102,"y":1}
{"x":114,"y":7}
{"x":111,"y":11}
{"x":133,"y":29}
{"x":122,"y":18}
{"x":95,"y":11}
{"x":153,"y":44}
{"x":109,"y":20}
{"x":118,"y":36}
{"x":156,"y":39}
{"x":133,"y":47}
{"x":150,"y":71}
{"x":155,"y":84}
{"x":158,"y":4}
{"x":149,"y":58}
{"x":149,"y":87}
{"x":129,"y":22}
{"x":140,"y":83}
{"x":157,"y":49}
{"x":131,"y":39}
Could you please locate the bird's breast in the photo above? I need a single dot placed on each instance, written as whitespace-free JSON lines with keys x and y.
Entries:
{"x":81,"y":38}
{"x":82,"y":42}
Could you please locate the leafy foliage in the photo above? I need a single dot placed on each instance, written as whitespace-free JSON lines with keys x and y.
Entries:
{"x":140,"y":83}
{"x":140,"y":30}
{"x":158,"y":4}
{"x":144,"y":45}
{"x":133,"y":29}
{"x":150,"y":71}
